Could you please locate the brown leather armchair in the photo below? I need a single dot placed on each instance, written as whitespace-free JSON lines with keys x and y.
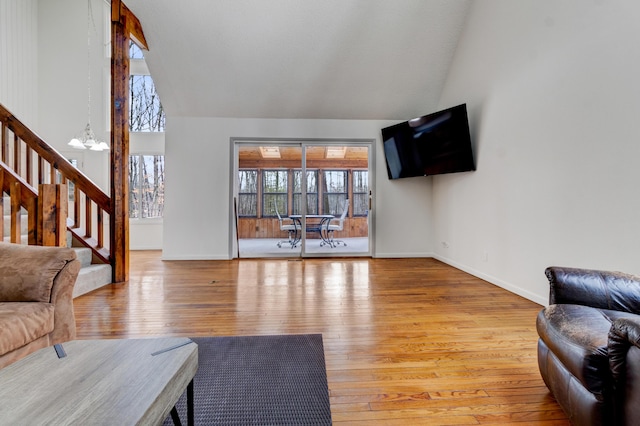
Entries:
{"x":589,"y":346}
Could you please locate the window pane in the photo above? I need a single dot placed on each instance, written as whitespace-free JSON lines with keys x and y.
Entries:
{"x":312,"y":192}
{"x":146,"y":113}
{"x":275,"y":184}
{"x":335,"y":191}
{"x":360,"y":192}
{"x":335,"y":180}
{"x":360,"y":204}
{"x":273,"y":201}
{"x":248,"y":205}
{"x":152,"y":185}
{"x":134,"y":186}
{"x":248,"y":181}
{"x":312,"y":203}
{"x":360,"y":181}
{"x":134,"y":51}
{"x":248,"y":193}
{"x":146,"y":186}
{"x":275,"y":181}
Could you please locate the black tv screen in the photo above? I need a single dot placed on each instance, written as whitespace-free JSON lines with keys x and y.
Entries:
{"x":433,"y":144}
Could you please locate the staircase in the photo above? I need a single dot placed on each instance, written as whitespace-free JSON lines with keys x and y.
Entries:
{"x":47,"y":201}
{"x":93,"y":274}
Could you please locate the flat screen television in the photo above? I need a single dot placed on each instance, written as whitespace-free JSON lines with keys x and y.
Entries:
{"x":433,"y":144}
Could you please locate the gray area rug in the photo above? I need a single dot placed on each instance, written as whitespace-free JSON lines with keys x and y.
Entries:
{"x":259,"y":380}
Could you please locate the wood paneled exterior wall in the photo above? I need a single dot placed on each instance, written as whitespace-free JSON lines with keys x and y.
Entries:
{"x":270,"y":228}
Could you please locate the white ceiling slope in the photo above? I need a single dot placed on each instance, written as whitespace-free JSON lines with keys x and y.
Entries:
{"x":316,"y":59}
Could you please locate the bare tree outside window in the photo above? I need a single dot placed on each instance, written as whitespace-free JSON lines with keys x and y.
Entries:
{"x":247,"y":193}
{"x":360,"y":192}
{"x":312,"y":192}
{"x":146,"y":113}
{"x":134,"y":51}
{"x":275,"y":187}
{"x":335,"y":191}
{"x":146,"y":186}
{"x":146,"y":172}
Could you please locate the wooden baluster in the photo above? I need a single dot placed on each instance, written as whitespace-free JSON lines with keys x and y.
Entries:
{"x":15,"y":213}
{"x":5,"y":143}
{"x":87,"y":217}
{"x":29,"y":165}
{"x":40,"y":170}
{"x":52,"y":174}
{"x":76,"y":206}
{"x":17,"y":164}
{"x":100,"y":236}
{"x":32,"y":220}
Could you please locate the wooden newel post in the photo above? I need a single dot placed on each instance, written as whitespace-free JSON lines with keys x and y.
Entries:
{"x":53,"y":208}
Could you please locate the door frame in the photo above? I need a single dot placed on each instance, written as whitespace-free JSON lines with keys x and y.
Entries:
{"x":238,"y":142}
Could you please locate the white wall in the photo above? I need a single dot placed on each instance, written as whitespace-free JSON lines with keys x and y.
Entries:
{"x":198,"y":172}
{"x":18,"y":58}
{"x":63,"y":81}
{"x":63,"y":99}
{"x":554,"y":97}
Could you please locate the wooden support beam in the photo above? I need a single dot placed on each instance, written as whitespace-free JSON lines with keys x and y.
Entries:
{"x":123,"y":22}
{"x":121,"y":13}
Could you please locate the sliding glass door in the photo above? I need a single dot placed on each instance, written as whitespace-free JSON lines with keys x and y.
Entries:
{"x":302,"y":198}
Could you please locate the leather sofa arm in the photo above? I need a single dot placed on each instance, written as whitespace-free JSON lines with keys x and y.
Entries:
{"x":624,"y":363}
{"x":599,"y":289}
{"x":624,"y":334}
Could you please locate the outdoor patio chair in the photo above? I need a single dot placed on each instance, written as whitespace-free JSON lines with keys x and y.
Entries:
{"x":332,"y":227}
{"x":290,"y":227}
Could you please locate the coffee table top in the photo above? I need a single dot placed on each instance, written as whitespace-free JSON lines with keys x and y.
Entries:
{"x":118,"y":381}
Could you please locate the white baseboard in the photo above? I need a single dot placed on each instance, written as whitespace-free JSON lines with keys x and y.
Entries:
{"x":401,"y":255}
{"x":194,"y":257}
{"x":495,"y":281}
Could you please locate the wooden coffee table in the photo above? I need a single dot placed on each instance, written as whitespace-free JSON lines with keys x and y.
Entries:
{"x":100,"y":382}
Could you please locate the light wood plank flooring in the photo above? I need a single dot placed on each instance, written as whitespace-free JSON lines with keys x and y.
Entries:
{"x":407,"y":341}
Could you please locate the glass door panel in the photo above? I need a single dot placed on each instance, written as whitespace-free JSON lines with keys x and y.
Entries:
{"x":264,"y":202}
{"x":337,"y":194}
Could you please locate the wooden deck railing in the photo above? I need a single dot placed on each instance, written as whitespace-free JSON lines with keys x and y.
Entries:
{"x":32,"y":162}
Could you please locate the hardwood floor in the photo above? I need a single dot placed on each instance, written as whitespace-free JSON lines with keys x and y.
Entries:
{"x":407,"y":341}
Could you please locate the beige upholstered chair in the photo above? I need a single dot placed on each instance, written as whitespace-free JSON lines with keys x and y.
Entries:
{"x":36,"y":298}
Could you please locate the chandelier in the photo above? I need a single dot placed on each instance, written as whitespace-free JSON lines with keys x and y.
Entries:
{"x":88,"y":138}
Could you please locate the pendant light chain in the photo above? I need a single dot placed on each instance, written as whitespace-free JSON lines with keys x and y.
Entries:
{"x":89,"y":20}
{"x":88,"y":138}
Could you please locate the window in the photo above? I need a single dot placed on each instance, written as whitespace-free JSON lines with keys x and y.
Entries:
{"x":335,"y":191}
{"x":360,"y":192}
{"x":134,"y":51}
{"x":248,"y":193}
{"x":146,"y":186}
{"x":146,"y":113}
{"x":275,"y":190}
{"x":312,"y":192}
{"x":145,"y":110}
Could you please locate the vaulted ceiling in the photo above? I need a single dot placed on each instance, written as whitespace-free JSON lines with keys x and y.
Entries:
{"x":315,"y":59}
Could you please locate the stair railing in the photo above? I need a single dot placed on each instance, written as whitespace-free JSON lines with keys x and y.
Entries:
{"x":34,"y":162}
